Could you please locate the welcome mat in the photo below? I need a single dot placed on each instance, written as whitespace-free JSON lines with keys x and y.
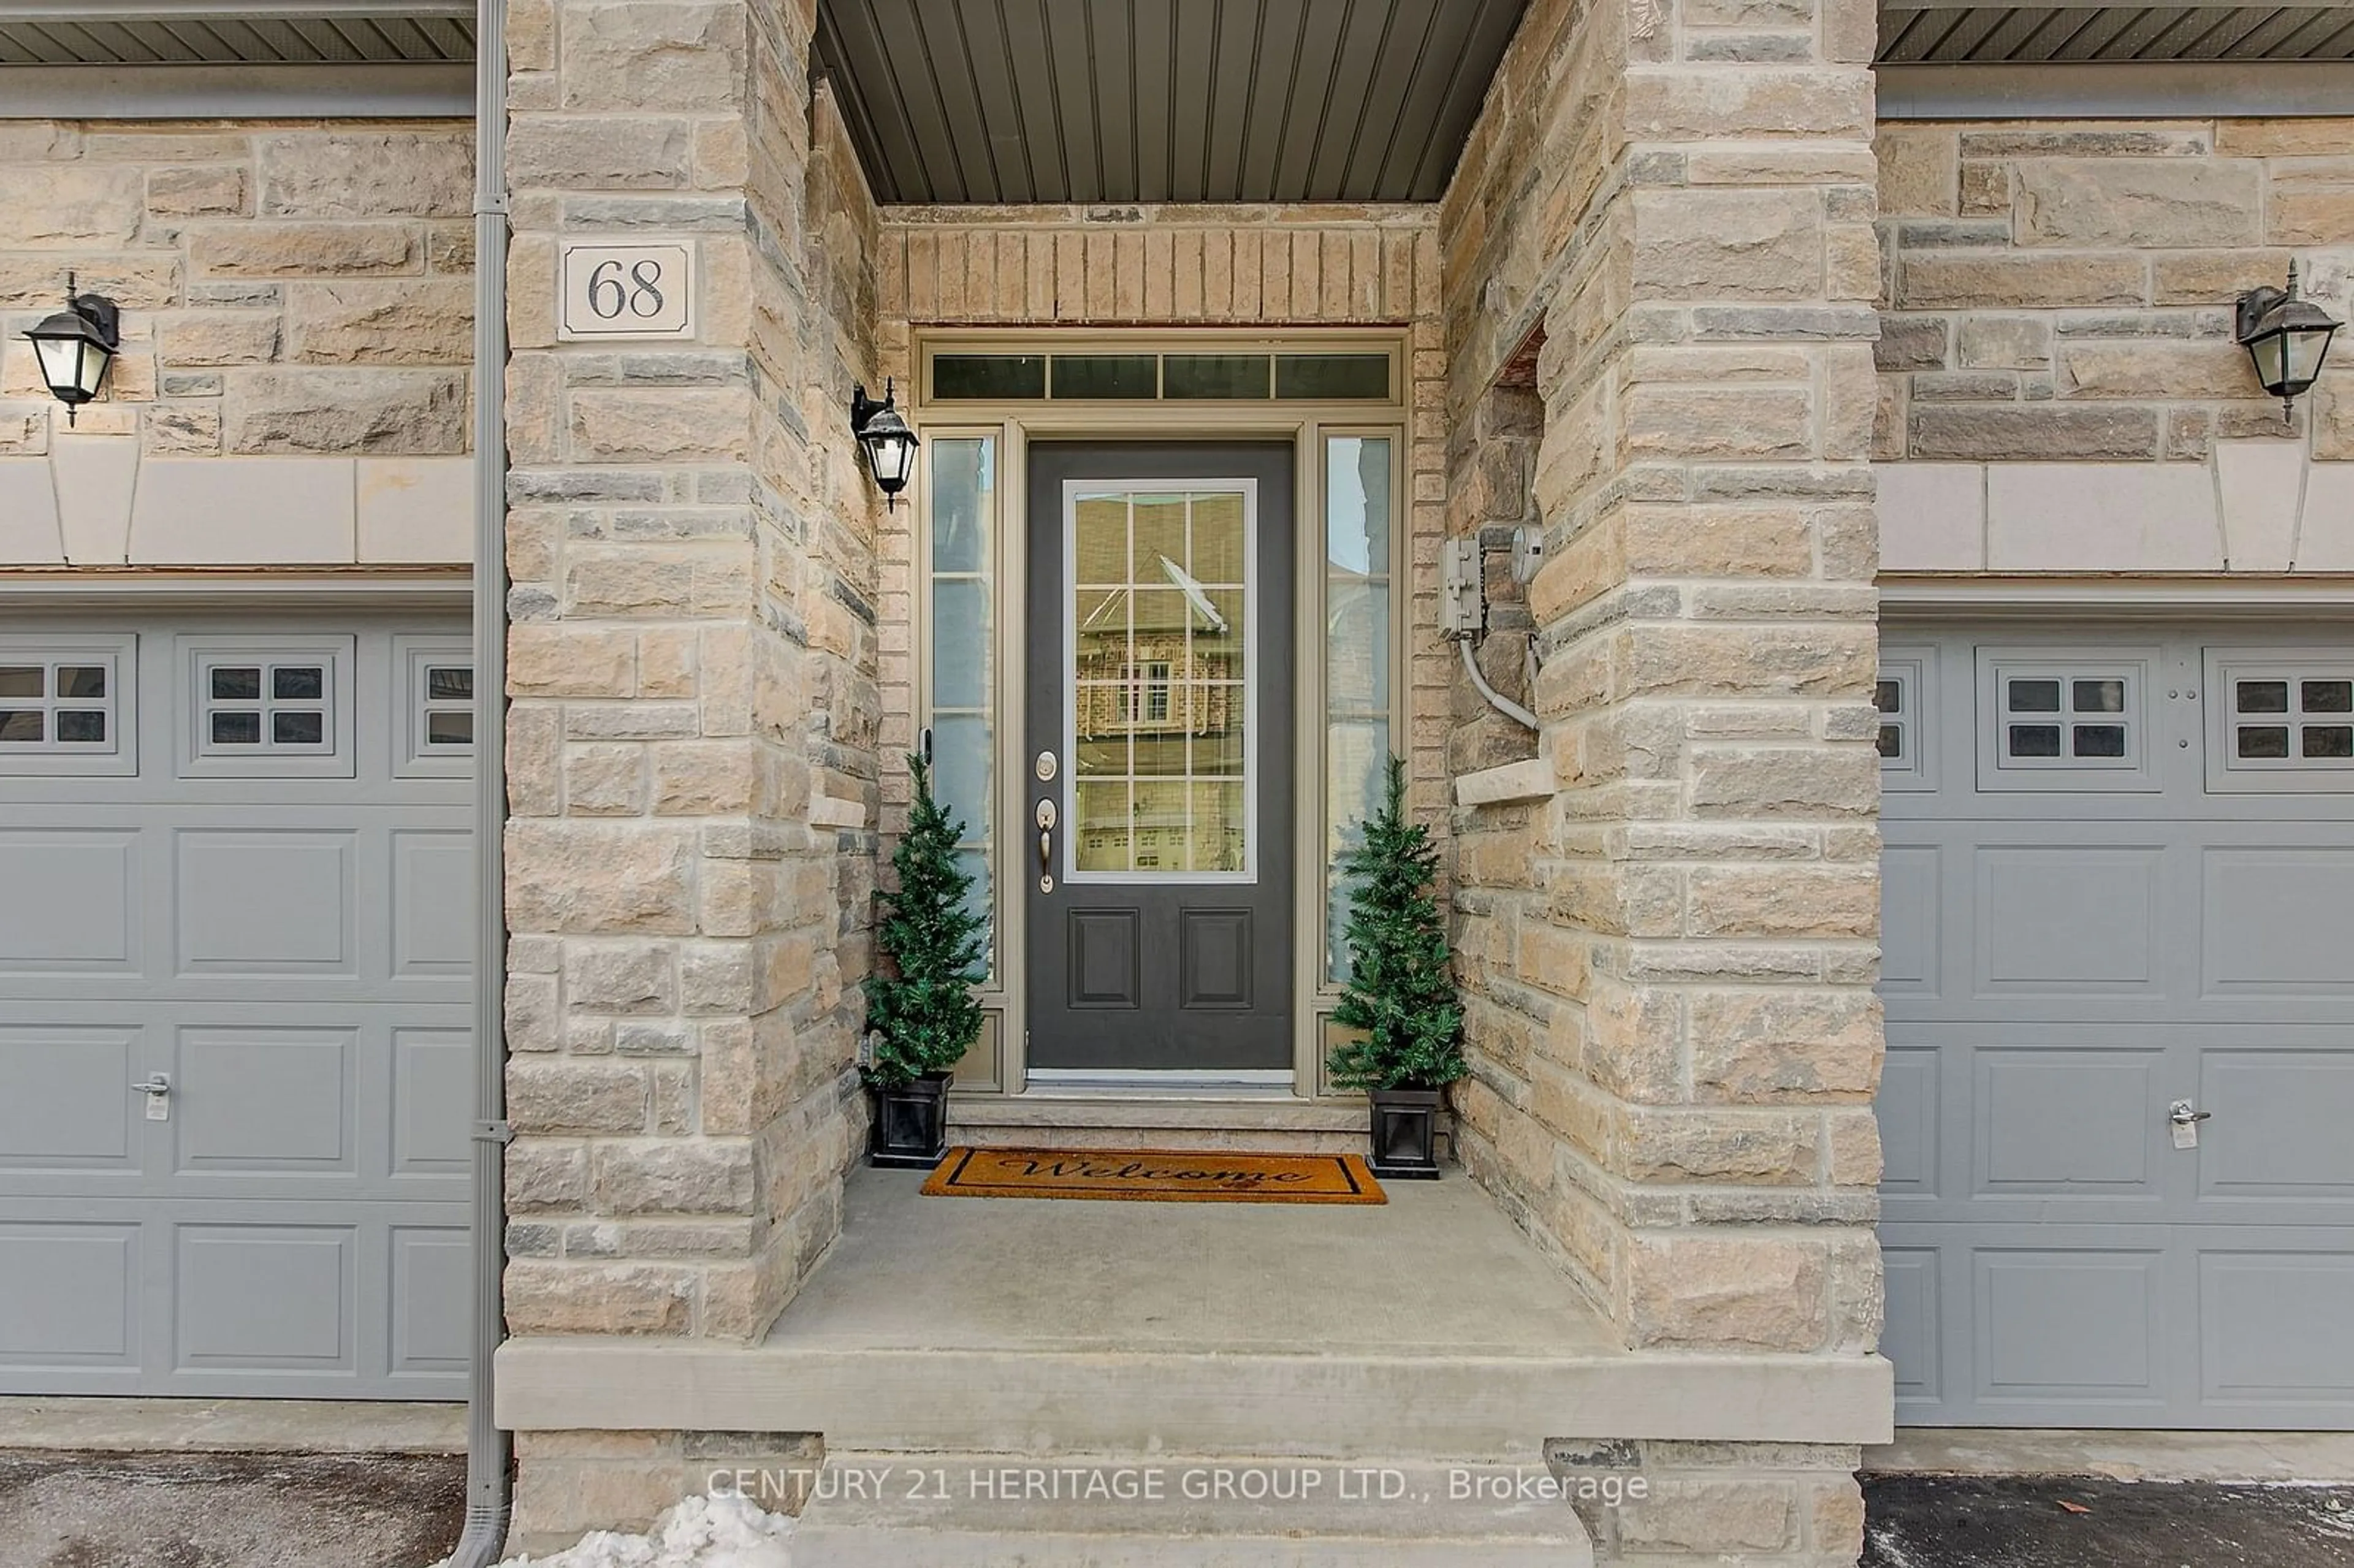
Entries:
{"x":1155,"y":1175}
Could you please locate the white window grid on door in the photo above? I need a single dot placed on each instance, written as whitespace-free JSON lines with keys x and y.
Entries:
{"x":1135,"y":690}
{"x":67,"y":704}
{"x":2064,"y":719}
{"x":268,"y":706}
{"x":2279,"y":720}
{"x":433,"y":716}
{"x":1908,"y":734}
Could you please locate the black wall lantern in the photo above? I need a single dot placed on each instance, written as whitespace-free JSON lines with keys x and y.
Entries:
{"x":2286,"y":336}
{"x":890,"y":444}
{"x":76,"y":345}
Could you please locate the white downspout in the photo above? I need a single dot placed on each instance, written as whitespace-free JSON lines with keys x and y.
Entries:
{"x":488,"y":1492}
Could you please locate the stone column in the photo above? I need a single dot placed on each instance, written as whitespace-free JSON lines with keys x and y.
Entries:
{"x":1671,"y":956}
{"x":691,"y":667}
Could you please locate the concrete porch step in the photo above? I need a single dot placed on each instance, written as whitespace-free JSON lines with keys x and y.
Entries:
{"x":994,"y":1511}
{"x":1269,"y":1124}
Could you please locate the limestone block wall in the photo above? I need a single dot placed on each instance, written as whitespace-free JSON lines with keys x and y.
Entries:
{"x":1669,"y":947}
{"x":693,"y":661}
{"x":298,"y":319}
{"x":1176,"y":267}
{"x":2060,"y":389}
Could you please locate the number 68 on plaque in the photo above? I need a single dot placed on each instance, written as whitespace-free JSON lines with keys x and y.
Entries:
{"x":626,"y":291}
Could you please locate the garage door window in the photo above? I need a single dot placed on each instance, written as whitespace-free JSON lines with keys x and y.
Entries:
{"x":265,"y":708}
{"x":2051,"y":723}
{"x":1906,"y":731}
{"x":63,"y":706}
{"x":2285,"y":724}
{"x":437,"y":711}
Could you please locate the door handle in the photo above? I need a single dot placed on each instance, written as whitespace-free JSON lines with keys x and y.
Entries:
{"x":1045,"y":819}
{"x":157,"y":1087}
{"x":2181,"y":1114}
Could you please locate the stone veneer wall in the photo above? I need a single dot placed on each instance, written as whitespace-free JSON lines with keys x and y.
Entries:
{"x":295,"y":287}
{"x":2060,"y":387}
{"x":2059,"y":290}
{"x":1174,"y":266}
{"x":297,"y":337}
{"x":693,"y":666}
{"x":1670,"y":946}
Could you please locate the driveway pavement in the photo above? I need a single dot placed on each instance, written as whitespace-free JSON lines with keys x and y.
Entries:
{"x":228,"y":1510}
{"x":1975,"y":1521}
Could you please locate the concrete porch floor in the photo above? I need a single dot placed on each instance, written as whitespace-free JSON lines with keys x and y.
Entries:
{"x":1435,"y":1271}
{"x":1021,"y":1325}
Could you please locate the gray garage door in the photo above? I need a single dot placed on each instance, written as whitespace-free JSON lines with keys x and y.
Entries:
{"x":2119,"y":876}
{"x":236,"y":868}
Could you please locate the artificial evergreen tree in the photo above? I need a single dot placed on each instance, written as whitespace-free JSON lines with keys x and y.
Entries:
{"x":920,"y":1006}
{"x":1401,"y":987}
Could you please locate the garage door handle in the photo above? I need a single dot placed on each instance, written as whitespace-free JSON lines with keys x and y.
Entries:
{"x":161,"y":1083}
{"x":2181,"y":1114}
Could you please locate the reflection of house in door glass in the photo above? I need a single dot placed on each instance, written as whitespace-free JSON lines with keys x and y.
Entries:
{"x":1159,"y":701}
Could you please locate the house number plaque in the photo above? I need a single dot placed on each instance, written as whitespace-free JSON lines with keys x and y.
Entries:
{"x":625,"y":291}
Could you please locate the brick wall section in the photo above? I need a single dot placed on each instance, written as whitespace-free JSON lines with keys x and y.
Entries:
{"x":287,"y":287}
{"x":1671,"y":958}
{"x":2063,"y":292}
{"x":691,"y":662}
{"x":1173,"y":267}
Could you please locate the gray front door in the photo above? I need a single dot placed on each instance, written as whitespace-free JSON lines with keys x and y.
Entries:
{"x":235,"y":1043}
{"x":2118,"y":876}
{"x":1159,"y":733}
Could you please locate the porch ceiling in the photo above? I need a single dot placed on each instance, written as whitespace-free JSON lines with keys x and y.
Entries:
{"x":1152,"y":100}
{"x":227,"y":32}
{"x":1922,"y":32}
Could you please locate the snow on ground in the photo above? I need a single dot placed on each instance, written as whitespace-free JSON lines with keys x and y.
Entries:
{"x":701,"y":1532}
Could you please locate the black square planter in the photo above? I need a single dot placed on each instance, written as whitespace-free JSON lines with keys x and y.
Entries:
{"x":1405,"y":1123}
{"x":911,"y":1125}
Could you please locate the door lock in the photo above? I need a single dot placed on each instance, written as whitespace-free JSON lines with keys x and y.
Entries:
{"x":2185,"y":1118}
{"x":158,"y":1090}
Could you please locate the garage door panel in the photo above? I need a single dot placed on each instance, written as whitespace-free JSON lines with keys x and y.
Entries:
{"x":2276,"y":920}
{"x":267,"y":1098}
{"x":1910,"y":923}
{"x":1909,"y":1111}
{"x":2275,"y":1322}
{"x":1910,"y":1339}
{"x":432,"y":903}
{"x":2070,"y":916}
{"x":70,"y":1294}
{"x":2069,"y":1325}
{"x":65,"y":1101}
{"x":305,"y":923}
{"x":432,"y":1267}
{"x":2066,"y":1122}
{"x":267,"y":1296}
{"x":2281,"y":1127}
{"x":72,"y":900}
{"x":432,"y":1069}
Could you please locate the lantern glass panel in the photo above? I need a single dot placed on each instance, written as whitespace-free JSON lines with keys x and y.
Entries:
{"x":69,"y":363}
{"x":2266,"y":351}
{"x":893,"y":455}
{"x":2302,"y":355}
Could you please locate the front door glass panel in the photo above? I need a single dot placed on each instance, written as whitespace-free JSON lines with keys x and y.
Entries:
{"x":1159,"y":722}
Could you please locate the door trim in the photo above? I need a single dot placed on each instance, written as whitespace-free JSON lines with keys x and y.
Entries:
{"x":1306,"y":424}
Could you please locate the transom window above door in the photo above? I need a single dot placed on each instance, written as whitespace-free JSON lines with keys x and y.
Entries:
{"x":962,"y":375}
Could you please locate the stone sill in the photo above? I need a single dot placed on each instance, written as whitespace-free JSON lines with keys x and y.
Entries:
{"x":1526,"y":781}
